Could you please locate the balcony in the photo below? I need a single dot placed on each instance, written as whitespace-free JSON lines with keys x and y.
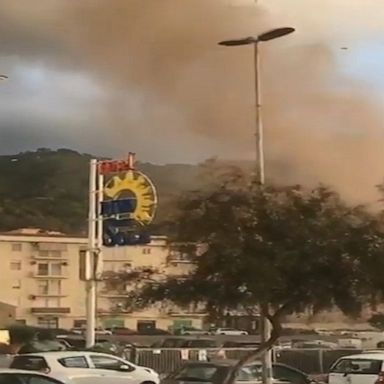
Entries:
{"x":50,"y":310}
{"x":37,"y":275}
{"x":49,"y":255}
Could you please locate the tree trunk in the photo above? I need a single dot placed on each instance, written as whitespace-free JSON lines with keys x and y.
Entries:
{"x":253,"y":355}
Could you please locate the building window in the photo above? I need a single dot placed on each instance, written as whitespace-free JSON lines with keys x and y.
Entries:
{"x":15,"y":265}
{"x":146,"y":251}
{"x":79,"y":323}
{"x":48,"y":269}
{"x":49,"y":287}
{"x":47,"y":254}
{"x":43,"y":287}
{"x":56,"y":269}
{"x":48,"y":322}
{"x":16,"y":284}
{"x":51,"y":302}
{"x":17,"y":247}
{"x":42,"y":269}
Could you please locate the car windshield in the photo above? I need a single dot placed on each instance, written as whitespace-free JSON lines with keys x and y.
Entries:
{"x":203,"y":373}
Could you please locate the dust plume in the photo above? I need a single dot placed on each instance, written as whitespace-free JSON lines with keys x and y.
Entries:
{"x":172,"y":94}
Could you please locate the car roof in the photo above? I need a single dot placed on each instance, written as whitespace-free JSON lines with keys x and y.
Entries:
{"x":220,"y":362}
{"x":23,"y":371}
{"x":232,"y":362}
{"x":372,"y":355}
{"x":63,"y":354}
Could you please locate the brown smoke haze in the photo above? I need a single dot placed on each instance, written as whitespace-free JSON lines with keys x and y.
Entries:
{"x":174,"y":94}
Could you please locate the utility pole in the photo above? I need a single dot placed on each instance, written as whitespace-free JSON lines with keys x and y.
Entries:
{"x":89,"y":256}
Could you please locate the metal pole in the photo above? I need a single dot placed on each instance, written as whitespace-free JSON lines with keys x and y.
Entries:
{"x":98,"y":267}
{"x":259,"y":120}
{"x":265,"y":324}
{"x":91,"y":284}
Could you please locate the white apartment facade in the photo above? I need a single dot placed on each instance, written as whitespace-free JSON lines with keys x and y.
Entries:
{"x":41,"y":278}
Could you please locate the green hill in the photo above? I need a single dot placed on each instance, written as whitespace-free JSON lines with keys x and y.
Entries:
{"x":49,"y":189}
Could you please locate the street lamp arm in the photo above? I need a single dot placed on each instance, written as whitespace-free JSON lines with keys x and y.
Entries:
{"x":236,"y":42}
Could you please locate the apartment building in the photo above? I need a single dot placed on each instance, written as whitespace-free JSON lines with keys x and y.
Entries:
{"x":41,"y":279}
{"x":166,"y":261}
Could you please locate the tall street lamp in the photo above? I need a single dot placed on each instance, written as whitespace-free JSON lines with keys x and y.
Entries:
{"x":260,"y":172}
{"x":3,"y":77}
{"x":266,"y":36}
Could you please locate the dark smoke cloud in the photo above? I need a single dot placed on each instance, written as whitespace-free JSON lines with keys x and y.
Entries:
{"x":171,"y":94}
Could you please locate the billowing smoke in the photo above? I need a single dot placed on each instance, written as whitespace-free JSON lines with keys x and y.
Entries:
{"x":171,"y":94}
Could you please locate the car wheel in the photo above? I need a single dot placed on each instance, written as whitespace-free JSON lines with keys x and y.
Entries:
{"x":147,"y":382}
{"x":222,"y":334}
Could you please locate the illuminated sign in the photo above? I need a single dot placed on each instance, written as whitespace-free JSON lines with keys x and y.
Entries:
{"x":130,"y":202}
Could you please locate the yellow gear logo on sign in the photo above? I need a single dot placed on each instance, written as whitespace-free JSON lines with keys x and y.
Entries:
{"x":137,"y":186}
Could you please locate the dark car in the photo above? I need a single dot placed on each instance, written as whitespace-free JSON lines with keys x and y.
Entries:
{"x":216,"y":371}
{"x":153,"y":331}
{"x":122,"y":331}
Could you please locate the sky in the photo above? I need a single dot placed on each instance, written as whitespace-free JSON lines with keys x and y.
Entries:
{"x":111,"y":76}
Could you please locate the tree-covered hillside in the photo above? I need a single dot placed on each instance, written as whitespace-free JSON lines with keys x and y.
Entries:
{"x":49,"y":189}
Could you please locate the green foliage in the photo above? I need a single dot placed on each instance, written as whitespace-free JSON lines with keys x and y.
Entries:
{"x":21,"y":334}
{"x":377,"y":321}
{"x":285,"y":247}
{"x":49,"y":189}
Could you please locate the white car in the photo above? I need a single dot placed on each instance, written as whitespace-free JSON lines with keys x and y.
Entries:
{"x":365,"y":368}
{"x":102,"y":331}
{"x":229,"y":332}
{"x":64,"y":365}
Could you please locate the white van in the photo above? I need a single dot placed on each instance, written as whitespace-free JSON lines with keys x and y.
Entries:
{"x":366,"y":368}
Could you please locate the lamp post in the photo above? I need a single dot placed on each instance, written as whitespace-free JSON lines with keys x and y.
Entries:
{"x":260,"y":171}
{"x":3,"y":77}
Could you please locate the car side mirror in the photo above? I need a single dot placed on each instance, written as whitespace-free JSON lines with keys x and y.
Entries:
{"x":124,"y":368}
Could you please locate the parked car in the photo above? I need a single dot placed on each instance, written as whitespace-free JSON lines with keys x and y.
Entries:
{"x":121,"y":331}
{"x":102,"y":331}
{"x":61,"y":365}
{"x":365,"y":368}
{"x":214,"y":372}
{"x":315,"y":344}
{"x":153,"y":331}
{"x":229,"y":332}
{"x":77,"y":331}
{"x":16,"y":376}
{"x":191,"y":331}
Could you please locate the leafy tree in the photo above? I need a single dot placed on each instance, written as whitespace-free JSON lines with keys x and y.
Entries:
{"x":278,"y":249}
{"x":377,"y":321}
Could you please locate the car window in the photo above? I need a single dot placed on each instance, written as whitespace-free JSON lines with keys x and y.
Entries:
{"x":197,"y":373}
{"x":105,"y":362}
{"x":358,"y":366}
{"x":29,"y":363}
{"x":249,"y":373}
{"x":284,"y":373}
{"x":74,"y":362}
